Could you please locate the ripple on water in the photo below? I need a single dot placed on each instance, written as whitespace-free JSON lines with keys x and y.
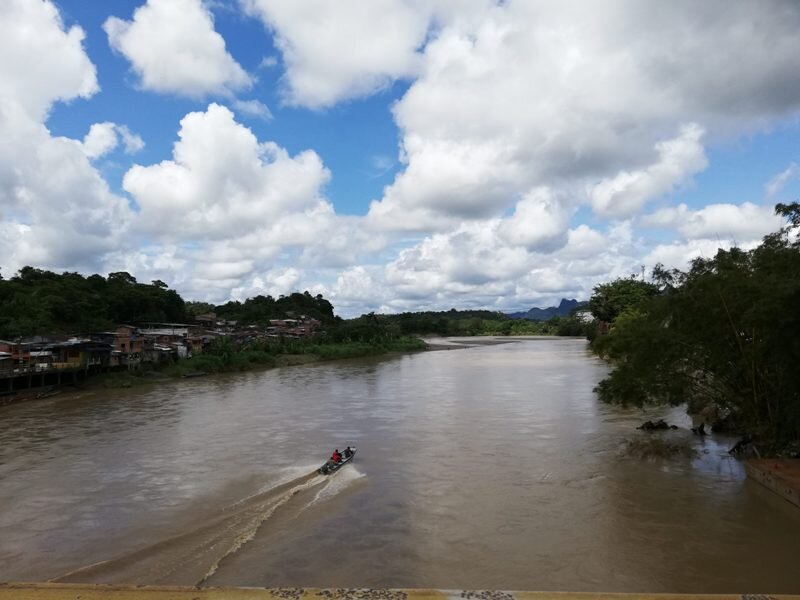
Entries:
{"x":492,"y":466}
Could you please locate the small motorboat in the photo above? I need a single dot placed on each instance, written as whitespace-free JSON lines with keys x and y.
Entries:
{"x":329,"y":467}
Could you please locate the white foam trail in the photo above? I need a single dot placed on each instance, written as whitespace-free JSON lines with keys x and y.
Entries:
{"x":337,"y":483}
{"x":285,"y":476}
{"x":194,"y":556}
{"x":288,"y":474}
{"x":255,"y":522}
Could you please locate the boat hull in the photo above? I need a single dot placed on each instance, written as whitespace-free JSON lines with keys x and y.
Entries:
{"x":327,"y":469}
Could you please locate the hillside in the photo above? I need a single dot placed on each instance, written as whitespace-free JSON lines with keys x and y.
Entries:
{"x":564,"y":308}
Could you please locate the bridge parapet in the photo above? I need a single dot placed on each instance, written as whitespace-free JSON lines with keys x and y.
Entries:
{"x":57,"y":591}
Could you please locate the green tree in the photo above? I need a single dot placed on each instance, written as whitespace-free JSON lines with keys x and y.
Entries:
{"x":36,"y":301}
{"x":723,"y":336}
{"x":609,"y":300}
{"x":198,"y":308}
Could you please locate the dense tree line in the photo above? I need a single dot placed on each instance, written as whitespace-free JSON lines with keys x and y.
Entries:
{"x":35,"y":301}
{"x":260,"y":309}
{"x":39,"y":302}
{"x":469,"y":322}
{"x":723,"y":337}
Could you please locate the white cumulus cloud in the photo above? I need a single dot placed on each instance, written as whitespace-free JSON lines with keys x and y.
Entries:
{"x":777,"y":183}
{"x":104,"y":137}
{"x":346,"y":49}
{"x":253,"y":108}
{"x":679,"y":254}
{"x":540,"y":222}
{"x":100,"y":140}
{"x":627,"y":192}
{"x":42,"y":62}
{"x":557,"y":94}
{"x":173,"y":47}
{"x":236,"y":209}
{"x":222,"y":182}
{"x":56,"y":210}
{"x":745,"y":222}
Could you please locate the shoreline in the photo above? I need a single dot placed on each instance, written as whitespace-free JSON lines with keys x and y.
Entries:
{"x":436,"y":343}
{"x":461,"y":343}
{"x":121,"y":380}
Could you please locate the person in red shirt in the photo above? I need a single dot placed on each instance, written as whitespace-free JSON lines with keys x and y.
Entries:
{"x":336,"y":457}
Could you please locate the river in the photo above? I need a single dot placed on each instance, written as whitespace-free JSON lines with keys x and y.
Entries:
{"x":488,"y":467}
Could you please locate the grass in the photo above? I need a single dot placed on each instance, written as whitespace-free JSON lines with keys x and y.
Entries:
{"x":291,"y":354}
{"x":354,"y":349}
{"x":234,"y":359}
{"x":346,"y":350}
{"x":243,"y":360}
{"x":292,"y":360}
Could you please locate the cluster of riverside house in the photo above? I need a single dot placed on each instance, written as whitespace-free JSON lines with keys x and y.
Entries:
{"x":129,"y":346}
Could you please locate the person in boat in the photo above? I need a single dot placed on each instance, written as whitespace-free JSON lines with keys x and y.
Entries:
{"x":348,"y":452}
{"x":333,"y":460}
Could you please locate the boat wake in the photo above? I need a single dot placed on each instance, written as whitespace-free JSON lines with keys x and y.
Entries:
{"x":336,"y":484}
{"x":192,"y":557}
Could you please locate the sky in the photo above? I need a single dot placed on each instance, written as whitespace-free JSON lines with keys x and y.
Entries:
{"x":393,"y":155}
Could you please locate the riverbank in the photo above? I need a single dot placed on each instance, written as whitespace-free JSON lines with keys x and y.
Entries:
{"x":259,"y":358}
{"x":227,"y":359}
{"x":231,"y":360}
{"x":461,"y":343}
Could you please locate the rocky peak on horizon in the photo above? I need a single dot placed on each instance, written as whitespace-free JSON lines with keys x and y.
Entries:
{"x":564,"y":308}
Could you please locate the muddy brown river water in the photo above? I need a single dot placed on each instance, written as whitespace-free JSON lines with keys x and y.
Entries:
{"x":488,"y":467}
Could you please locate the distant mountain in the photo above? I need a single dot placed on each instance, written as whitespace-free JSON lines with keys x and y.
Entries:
{"x":543,"y":314}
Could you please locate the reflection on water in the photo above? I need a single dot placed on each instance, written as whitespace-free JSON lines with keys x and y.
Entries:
{"x":492,"y":467}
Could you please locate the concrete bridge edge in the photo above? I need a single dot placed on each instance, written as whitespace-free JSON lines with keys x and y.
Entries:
{"x":55,"y":591}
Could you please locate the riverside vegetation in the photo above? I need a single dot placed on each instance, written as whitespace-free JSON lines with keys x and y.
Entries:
{"x":224,"y":355}
{"x":41,"y":302}
{"x":368,"y":335}
{"x":722,"y":337}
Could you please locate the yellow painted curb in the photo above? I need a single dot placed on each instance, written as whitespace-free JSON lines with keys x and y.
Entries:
{"x":60,"y":591}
